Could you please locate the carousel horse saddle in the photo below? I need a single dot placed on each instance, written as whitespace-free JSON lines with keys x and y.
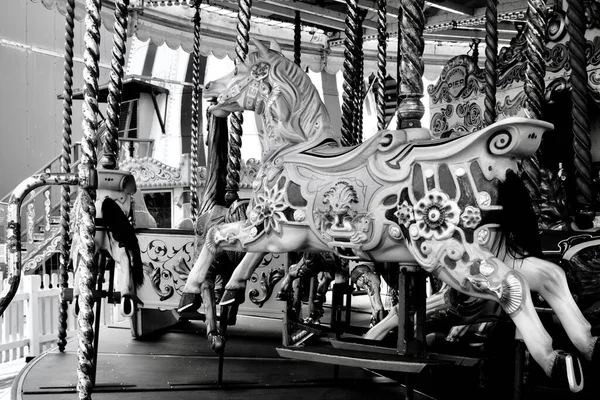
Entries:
{"x":388,"y":153}
{"x":328,"y":155}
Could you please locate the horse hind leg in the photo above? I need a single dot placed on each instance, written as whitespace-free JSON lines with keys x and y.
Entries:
{"x":493,"y":279}
{"x":216,"y":340}
{"x":549,"y":280}
{"x":364,"y":278}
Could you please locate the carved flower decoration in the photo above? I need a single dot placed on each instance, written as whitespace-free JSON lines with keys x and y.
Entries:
{"x":268,"y":209}
{"x":405,"y":214}
{"x":436,"y":216}
{"x":471,"y":217}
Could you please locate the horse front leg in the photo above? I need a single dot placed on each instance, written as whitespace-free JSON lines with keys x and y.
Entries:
{"x":216,"y":237}
{"x":550,"y":281}
{"x":129,"y":299}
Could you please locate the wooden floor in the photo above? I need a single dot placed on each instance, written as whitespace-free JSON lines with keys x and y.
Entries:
{"x":178,"y":365}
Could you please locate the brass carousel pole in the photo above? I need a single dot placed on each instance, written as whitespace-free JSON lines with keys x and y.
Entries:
{"x":411,"y":334}
{"x":297,"y":39}
{"x":381,"y":61}
{"x":359,"y":84}
{"x":411,"y":109}
{"x":195,"y":115}
{"x":491,"y":60}
{"x":87,"y":228}
{"x":534,"y":87}
{"x":110,"y":143}
{"x":576,"y":26}
{"x":236,"y":120}
{"x":65,"y":167}
{"x":350,"y":71}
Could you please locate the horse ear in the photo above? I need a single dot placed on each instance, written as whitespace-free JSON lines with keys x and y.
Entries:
{"x":264,"y":52}
{"x":275,"y":46}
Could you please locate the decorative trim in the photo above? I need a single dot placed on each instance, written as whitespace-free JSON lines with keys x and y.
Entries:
{"x":150,"y":173}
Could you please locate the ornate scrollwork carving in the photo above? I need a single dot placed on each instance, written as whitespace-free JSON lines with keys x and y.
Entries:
{"x":267,"y":281}
{"x":511,"y":106}
{"x":167,"y":267}
{"x":460,"y":78}
{"x":471,"y":115}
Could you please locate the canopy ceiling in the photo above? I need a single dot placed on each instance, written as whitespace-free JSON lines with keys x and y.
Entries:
{"x":450,"y":27}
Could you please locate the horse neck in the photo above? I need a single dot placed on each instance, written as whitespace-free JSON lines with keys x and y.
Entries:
{"x":308,"y":122}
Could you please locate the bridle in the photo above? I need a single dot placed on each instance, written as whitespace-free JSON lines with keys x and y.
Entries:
{"x":251,"y":85}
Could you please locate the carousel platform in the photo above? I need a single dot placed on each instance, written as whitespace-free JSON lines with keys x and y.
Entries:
{"x":177,"y":364}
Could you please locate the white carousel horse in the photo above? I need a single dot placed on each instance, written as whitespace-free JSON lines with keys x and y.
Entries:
{"x":115,"y":236}
{"x":455,"y":207}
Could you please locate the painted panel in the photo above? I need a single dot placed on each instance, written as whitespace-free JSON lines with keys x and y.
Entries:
{"x":167,"y":263}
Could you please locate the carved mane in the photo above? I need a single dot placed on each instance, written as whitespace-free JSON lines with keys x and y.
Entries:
{"x":294,"y":103}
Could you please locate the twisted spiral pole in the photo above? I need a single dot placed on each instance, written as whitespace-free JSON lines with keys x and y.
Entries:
{"x":398,"y":69}
{"x":87,"y":228}
{"x":195,"y":115}
{"x":381,"y":61}
{"x":236,"y":120}
{"x":534,"y":86}
{"x":297,"y":39}
{"x":358,"y":86}
{"x":576,"y":26}
{"x":350,"y":63}
{"x":110,"y":144}
{"x":65,"y":167}
{"x":491,"y":60}
{"x":411,"y":109}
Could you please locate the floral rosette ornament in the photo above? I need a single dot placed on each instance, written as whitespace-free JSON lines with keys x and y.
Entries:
{"x":471,"y":217}
{"x":436,"y":216}
{"x":268,"y":209}
{"x":405,"y":214}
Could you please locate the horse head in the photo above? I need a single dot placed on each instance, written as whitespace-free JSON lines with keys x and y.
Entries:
{"x":279,"y":92}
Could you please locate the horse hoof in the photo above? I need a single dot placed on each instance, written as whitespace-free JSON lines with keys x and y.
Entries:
{"x":233,"y":296}
{"x":216,"y":342}
{"x":567,"y":371}
{"x":189,"y":302}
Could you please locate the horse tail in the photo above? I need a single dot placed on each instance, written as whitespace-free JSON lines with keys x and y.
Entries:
{"x":519,"y":226}
{"x":123,"y":232}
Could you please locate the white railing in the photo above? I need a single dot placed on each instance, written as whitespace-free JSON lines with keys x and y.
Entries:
{"x":29,"y":325}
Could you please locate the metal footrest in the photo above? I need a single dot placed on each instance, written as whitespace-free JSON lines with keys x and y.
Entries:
{"x":375,"y":361}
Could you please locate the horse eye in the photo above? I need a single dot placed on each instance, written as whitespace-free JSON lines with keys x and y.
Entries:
{"x":235,"y":71}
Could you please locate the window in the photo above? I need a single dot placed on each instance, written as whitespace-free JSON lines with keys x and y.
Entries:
{"x":159,"y":205}
{"x":128,"y":121}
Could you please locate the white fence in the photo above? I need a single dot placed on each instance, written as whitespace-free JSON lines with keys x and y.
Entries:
{"x":29,"y":325}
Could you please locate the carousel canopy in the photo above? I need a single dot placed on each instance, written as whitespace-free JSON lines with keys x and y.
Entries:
{"x":450,"y":26}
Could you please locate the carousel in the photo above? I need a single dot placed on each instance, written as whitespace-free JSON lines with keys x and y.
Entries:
{"x":454,"y":261}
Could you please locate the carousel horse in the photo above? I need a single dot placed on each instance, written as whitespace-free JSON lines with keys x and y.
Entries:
{"x":115,"y":236}
{"x":455,"y":207}
{"x":325,"y":266}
